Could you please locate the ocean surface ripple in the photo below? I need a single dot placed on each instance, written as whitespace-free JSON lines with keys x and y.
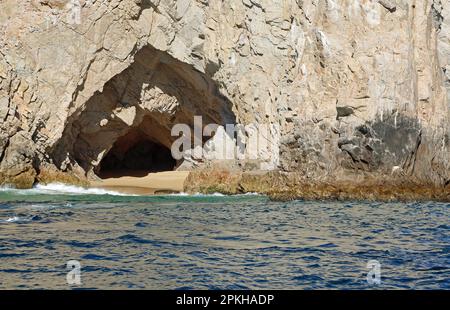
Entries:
{"x":218,"y":242}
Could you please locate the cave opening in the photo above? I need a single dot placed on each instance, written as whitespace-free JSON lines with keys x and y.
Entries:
{"x":124,"y":128}
{"x":135,"y":154}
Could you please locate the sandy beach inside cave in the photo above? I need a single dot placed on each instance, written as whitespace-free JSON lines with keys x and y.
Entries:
{"x":144,"y":183}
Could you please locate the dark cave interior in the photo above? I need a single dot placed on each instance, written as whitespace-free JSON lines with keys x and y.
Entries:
{"x":135,"y":154}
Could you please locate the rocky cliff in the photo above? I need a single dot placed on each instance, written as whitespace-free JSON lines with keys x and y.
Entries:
{"x":358,"y":89}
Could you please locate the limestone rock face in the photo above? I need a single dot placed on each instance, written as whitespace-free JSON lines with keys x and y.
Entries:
{"x":355,"y":88}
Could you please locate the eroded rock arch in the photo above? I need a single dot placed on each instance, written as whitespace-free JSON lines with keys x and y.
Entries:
{"x":139,"y":107}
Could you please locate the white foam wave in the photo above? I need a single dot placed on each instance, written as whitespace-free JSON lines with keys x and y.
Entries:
{"x":179,"y":194}
{"x":251,"y":194}
{"x":13,"y":219}
{"x":63,"y":189}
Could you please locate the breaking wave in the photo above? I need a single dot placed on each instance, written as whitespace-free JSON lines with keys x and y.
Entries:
{"x":62,"y":189}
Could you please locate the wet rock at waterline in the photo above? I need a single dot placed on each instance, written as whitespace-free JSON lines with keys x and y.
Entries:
{"x":357,"y":90}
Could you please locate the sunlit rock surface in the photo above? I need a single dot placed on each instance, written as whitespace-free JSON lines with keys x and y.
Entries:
{"x":358,"y":89}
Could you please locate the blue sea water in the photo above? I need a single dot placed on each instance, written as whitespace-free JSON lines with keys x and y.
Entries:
{"x":217,"y":242}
